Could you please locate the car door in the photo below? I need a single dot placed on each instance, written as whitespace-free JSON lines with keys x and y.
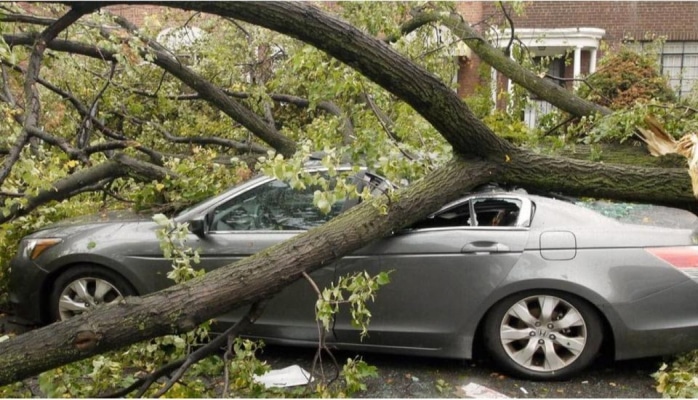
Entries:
{"x":261,"y":216}
{"x":442,"y":269}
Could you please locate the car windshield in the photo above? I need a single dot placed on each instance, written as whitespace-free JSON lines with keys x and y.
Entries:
{"x":300,"y":201}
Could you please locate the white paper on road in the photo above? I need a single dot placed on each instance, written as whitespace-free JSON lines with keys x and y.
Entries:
{"x":285,"y":377}
{"x":475,"y":391}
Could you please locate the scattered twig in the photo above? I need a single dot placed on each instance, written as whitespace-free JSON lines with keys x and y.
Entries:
{"x":179,"y":367}
{"x":507,"y":51}
{"x":322,"y":346}
{"x":84,"y":129}
{"x":386,"y":125}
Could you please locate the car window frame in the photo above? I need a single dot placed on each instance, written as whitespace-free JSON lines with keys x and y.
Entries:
{"x":523,"y":221}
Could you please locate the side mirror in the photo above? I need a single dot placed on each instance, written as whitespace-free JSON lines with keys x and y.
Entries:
{"x":199,"y":227}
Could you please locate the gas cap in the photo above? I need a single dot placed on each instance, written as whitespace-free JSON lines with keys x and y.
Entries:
{"x":558,"y":245}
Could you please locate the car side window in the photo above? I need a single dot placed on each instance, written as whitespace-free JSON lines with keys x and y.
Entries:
{"x":455,"y":216}
{"x":497,"y":211}
{"x":271,"y":206}
{"x":476,"y":212}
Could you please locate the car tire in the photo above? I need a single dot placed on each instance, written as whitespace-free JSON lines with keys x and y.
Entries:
{"x":81,"y":288}
{"x":543,"y":335}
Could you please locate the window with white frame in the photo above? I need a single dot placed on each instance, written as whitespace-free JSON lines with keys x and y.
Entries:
{"x":680,"y":64}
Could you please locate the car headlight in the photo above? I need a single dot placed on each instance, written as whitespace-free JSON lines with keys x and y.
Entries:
{"x":33,"y":248}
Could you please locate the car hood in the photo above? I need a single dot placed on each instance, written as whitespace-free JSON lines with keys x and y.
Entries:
{"x":70,"y":226}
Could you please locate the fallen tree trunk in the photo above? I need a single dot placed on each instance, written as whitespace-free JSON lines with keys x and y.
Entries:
{"x":541,"y":173}
{"x":626,"y":154}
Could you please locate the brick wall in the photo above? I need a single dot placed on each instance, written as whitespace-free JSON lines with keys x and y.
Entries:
{"x":677,"y":20}
{"x":622,"y":20}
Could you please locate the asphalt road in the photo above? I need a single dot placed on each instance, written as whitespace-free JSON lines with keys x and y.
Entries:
{"x":419,"y":377}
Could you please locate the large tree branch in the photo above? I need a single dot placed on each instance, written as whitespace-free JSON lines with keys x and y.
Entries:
{"x":440,"y":105}
{"x":551,"y":92}
{"x":427,"y":94}
{"x":543,"y":173}
{"x":499,"y":60}
{"x":121,"y":165}
{"x":215,"y":95}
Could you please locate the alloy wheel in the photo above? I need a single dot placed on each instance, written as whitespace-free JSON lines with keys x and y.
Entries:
{"x":84,"y":294}
{"x":543,"y":333}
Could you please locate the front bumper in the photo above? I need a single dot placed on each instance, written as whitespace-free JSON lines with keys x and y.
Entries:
{"x":26,"y":291}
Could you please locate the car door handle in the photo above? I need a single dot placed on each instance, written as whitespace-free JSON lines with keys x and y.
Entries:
{"x":484,"y":247}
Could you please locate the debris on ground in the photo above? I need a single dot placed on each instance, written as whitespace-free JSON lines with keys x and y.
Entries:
{"x":293,"y":375}
{"x":476,"y":391}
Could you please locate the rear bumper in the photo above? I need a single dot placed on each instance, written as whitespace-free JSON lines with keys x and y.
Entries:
{"x":660,"y":324}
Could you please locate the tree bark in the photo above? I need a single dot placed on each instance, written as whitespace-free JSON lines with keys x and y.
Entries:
{"x":537,"y":172}
{"x":611,"y":153}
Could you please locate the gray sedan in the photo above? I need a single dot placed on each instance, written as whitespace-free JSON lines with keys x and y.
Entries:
{"x":542,"y":285}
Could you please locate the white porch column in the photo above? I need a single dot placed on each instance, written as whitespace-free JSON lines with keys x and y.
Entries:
{"x":577,"y":66}
{"x":592,"y":60}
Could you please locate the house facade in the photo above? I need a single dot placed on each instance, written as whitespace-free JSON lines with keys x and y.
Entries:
{"x":575,"y":34}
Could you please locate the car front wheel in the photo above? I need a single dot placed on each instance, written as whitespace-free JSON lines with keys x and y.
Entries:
{"x":543,"y":335}
{"x":80,"y":289}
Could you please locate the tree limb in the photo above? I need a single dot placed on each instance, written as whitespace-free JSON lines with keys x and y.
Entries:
{"x":31,"y":94}
{"x":234,"y":144}
{"x":554,"y":94}
{"x":121,"y":165}
{"x":214,"y":95}
{"x":428,"y":95}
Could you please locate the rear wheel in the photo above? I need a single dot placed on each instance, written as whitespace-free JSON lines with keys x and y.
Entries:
{"x":543,"y":334}
{"x":80,"y":289}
